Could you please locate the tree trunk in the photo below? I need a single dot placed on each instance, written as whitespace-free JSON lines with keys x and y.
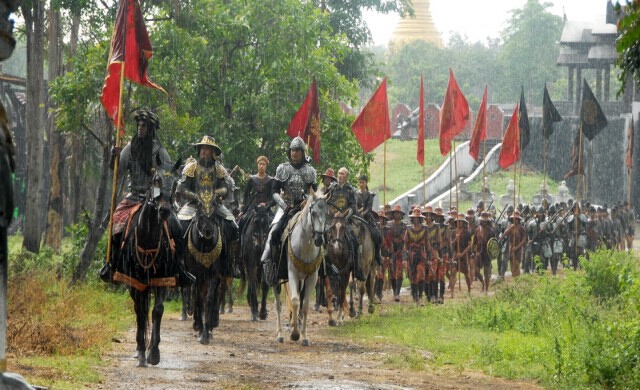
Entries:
{"x":55,"y":216}
{"x":74,"y":190}
{"x":97,"y":228}
{"x":34,"y":16}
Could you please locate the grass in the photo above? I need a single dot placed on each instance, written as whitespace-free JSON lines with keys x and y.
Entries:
{"x":403,"y":169}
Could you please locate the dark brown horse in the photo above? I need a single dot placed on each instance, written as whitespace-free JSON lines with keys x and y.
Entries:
{"x":207,"y":258}
{"x":340,"y":261}
{"x":252,"y":243}
{"x":150,"y":265}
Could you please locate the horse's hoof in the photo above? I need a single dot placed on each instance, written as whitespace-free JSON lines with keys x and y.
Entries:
{"x":333,"y":323}
{"x":154,"y":356}
{"x":183,"y":317}
{"x":230,"y":310}
{"x":221,"y":311}
{"x":138,"y":354}
{"x":295,"y":336}
{"x":142,"y":362}
{"x":204,"y":338}
{"x":305,"y":343}
{"x":254,"y":318}
{"x":371,"y":309}
{"x":263,"y":314}
{"x":280,"y":339}
{"x":352,"y":313}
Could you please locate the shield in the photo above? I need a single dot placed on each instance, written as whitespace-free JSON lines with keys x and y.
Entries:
{"x":493,"y":248}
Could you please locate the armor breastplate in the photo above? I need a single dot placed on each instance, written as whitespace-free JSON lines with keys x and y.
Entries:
{"x":139,"y":179}
{"x":416,"y":237}
{"x":340,"y":197}
{"x":205,"y":182}
{"x":434,"y":236}
{"x":295,"y":181}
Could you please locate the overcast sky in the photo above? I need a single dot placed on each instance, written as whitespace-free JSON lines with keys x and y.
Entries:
{"x":479,"y":19}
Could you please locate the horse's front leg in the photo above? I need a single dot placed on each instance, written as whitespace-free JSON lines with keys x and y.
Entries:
{"x":352,"y":309}
{"x":309,"y":283}
{"x":326,"y":284}
{"x":187,"y":303}
{"x":263,"y":301}
{"x":211,"y":308}
{"x":276,"y":294}
{"x":153,"y":356}
{"x":294,"y":291}
{"x":198,"y":306}
{"x":141,"y":307}
{"x":370,"y":291}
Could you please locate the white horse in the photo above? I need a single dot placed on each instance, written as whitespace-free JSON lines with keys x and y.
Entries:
{"x":304,"y":254}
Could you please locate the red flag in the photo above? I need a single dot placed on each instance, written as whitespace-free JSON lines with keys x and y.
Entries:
{"x":510,"y":151}
{"x":629,"y":159}
{"x":420,"y":155}
{"x":306,"y":122}
{"x":372,"y":127}
{"x":480,"y":130}
{"x":454,"y":114}
{"x":131,"y":50}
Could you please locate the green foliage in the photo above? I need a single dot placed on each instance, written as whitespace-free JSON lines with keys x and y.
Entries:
{"x":628,"y":43}
{"x":581,"y":330}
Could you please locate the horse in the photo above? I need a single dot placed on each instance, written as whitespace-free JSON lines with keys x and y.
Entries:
{"x":150,"y":265}
{"x":339,"y":257}
{"x":367,"y":265}
{"x":252,"y":243}
{"x":303,"y":243}
{"x":208,"y":258}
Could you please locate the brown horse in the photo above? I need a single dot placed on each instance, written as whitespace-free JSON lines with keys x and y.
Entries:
{"x":340,"y":261}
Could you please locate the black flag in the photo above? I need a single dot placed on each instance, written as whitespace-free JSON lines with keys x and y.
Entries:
{"x":577,"y":161}
{"x":549,"y":114}
{"x":592,"y":118}
{"x":523,"y":123}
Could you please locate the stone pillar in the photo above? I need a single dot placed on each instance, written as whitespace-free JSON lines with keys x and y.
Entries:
{"x":599,"y":83}
{"x":607,"y":82}
{"x":576,"y":106}
{"x":570,"y":85}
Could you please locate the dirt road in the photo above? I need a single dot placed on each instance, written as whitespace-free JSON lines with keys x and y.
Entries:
{"x":244,"y":354}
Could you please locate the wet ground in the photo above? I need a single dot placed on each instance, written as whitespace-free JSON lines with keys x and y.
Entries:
{"x":244,"y":354}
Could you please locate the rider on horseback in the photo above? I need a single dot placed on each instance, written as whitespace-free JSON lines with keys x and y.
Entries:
{"x":257,"y":193}
{"x":203,"y":181}
{"x":364,"y":204}
{"x":293,"y":179}
{"x":342,"y":197}
{"x":138,"y":160}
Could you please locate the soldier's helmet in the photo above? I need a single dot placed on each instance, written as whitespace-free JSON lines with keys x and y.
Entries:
{"x":297,"y":143}
{"x":540,"y":210}
{"x":480,"y":205}
{"x":510,"y":209}
{"x":552,"y":209}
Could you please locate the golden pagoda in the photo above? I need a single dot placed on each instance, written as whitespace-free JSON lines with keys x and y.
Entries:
{"x":419,"y":27}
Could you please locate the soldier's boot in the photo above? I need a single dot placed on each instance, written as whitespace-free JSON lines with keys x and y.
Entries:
{"x":421,"y":291}
{"x":414,"y":292}
{"x":393,"y":286}
{"x":441,"y":299}
{"x":397,"y":290}
{"x":433,"y":286}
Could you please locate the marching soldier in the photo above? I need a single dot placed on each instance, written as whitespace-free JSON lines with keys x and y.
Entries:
{"x":416,"y":245}
{"x":538,"y":241}
{"x":594,"y":230}
{"x":557,"y":232}
{"x":503,"y":258}
{"x":483,"y":234}
{"x":630,"y":217}
{"x":435,"y":243}
{"x":385,"y":252}
{"x":516,"y":236}
{"x":397,"y":229}
{"x":462,"y":245}
{"x":443,"y":254}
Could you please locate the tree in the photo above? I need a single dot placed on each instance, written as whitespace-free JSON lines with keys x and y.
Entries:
{"x":628,"y":44}
{"x":33,"y":12}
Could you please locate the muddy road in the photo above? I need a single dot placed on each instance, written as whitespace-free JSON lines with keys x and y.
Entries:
{"x":244,"y":354}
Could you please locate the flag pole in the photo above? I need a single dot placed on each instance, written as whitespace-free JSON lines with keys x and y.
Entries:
{"x":544,"y":166}
{"x":114,"y":184}
{"x":384,"y":175}
{"x":455,"y":162}
{"x":424,"y":183}
{"x":484,"y":166}
{"x":630,"y":170}
{"x":578,"y":193}
{"x":450,"y":180}
{"x":520,"y":180}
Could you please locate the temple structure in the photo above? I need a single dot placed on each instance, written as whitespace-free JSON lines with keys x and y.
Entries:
{"x":419,"y":27}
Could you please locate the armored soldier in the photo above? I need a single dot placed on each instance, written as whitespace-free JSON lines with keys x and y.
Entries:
{"x":443,"y":254}
{"x":577,"y":227}
{"x":342,"y":198}
{"x":557,"y":233}
{"x":382,"y":221}
{"x":594,"y":230}
{"x":293,"y":181}
{"x":503,"y":224}
{"x":538,"y":241}
{"x":364,"y":206}
{"x":630,"y":217}
{"x":397,"y":229}
{"x":416,"y":245}
{"x":138,"y":162}
{"x":205,"y":183}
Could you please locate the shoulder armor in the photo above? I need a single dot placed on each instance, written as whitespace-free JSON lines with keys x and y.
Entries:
{"x":190,"y":169}
{"x":220,"y":171}
{"x":283,"y":172}
{"x":308,"y":174}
